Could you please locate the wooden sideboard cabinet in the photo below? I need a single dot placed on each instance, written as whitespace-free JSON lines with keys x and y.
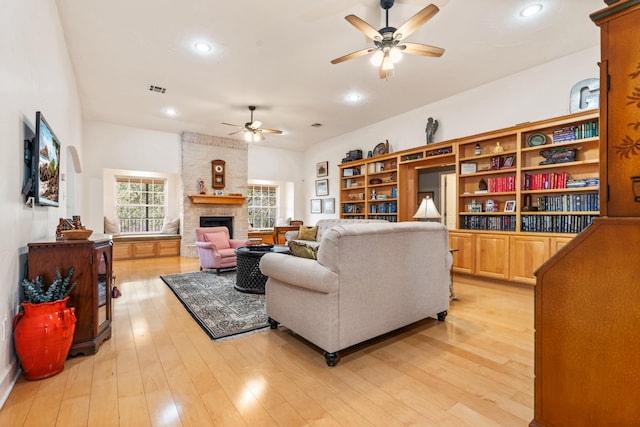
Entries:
{"x":91,"y":260}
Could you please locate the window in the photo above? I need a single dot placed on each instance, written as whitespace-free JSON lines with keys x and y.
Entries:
{"x":263,"y":205}
{"x":140,"y":204}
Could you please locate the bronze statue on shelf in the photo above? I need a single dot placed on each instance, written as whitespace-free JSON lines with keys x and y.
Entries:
{"x":430,"y":130}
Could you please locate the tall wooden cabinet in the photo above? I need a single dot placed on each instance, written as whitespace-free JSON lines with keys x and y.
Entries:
{"x":586,"y":314}
{"x":620,"y":107}
{"x":91,"y":297}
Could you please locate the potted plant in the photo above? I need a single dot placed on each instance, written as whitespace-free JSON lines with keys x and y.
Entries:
{"x":44,"y":327}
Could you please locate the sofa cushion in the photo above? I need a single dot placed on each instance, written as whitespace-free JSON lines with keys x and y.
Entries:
{"x":307,"y":233}
{"x":111,"y":226}
{"x":303,"y":250}
{"x":218,"y":239}
{"x":170,"y":226}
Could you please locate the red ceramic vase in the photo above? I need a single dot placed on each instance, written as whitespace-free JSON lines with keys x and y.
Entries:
{"x":43,"y":334}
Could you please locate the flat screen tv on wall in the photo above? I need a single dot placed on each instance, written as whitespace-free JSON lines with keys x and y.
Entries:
{"x":45,"y":164}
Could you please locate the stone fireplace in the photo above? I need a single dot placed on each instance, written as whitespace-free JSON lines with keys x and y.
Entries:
{"x":198,"y":151}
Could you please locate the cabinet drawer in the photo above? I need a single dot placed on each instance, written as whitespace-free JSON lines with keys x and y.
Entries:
{"x":168,"y":247}
{"x":145,"y":249}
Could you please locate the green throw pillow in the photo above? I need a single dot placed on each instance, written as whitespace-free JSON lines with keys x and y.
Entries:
{"x":307,"y":233}
{"x":303,"y":250}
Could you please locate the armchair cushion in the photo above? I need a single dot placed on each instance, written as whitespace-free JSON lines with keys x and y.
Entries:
{"x":307,"y":233}
{"x":219,"y":239}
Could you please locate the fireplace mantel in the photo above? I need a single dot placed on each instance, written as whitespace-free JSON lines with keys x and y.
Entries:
{"x":217,"y":200}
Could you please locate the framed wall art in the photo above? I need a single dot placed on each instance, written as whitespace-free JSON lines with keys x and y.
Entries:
{"x":316,"y":206}
{"x":322,"y":169}
{"x":322,"y":187}
{"x":329,"y":206}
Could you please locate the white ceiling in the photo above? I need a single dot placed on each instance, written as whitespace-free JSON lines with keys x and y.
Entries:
{"x":276,"y":55}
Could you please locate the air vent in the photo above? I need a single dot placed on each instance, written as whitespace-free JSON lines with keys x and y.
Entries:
{"x":158,"y":89}
{"x":316,"y":125}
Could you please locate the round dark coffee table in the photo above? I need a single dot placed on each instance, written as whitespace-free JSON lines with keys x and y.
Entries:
{"x":249,"y":278}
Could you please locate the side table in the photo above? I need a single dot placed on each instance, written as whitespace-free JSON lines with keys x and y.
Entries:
{"x":249,"y":278}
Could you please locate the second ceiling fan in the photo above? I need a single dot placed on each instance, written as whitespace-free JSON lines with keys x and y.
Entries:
{"x":252,"y":130}
{"x":388,"y":40}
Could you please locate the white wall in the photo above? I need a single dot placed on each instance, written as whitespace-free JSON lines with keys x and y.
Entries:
{"x":110,"y":146}
{"x":35,"y":75}
{"x":535,"y":94}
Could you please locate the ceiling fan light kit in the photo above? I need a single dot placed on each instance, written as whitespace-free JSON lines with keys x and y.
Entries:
{"x":388,"y":40}
{"x":252,"y":130}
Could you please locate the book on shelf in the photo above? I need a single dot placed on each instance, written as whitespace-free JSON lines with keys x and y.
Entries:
{"x":544,"y":181}
{"x":571,"y":133}
{"x":492,"y":223}
{"x":587,"y":202}
{"x":555,"y":223}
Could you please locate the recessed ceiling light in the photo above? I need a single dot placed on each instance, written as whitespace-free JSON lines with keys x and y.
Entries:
{"x":531,"y":9}
{"x":170,"y":112}
{"x":353,"y":97}
{"x":202,"y":47}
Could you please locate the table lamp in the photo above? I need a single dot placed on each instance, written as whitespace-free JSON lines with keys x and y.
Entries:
{"x":427,"y":210}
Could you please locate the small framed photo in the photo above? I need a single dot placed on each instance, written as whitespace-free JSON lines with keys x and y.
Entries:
{"x":316,"y":206}
{"x":322,"y":169}
{"x":508,"y":162}
{"x":510,"y":206}
{"x":322,"y":187}
{"x":329,"y":206}
{"x":468,"y":167}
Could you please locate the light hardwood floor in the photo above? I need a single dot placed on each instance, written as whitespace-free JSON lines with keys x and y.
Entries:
{"x":160,"y":369}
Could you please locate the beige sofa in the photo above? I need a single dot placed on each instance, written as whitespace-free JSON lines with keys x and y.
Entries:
{"x":369,"y":279}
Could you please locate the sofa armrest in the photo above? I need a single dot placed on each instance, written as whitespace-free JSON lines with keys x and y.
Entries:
{"x":291,"y":235}
{"x":206,"y":245}
{"x":300,"y":272}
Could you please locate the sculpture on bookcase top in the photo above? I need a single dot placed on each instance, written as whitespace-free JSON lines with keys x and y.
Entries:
{"x":201,"y":186}
{"x":430,"y":130}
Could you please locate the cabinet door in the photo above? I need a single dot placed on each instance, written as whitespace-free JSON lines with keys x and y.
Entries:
{"x":103,"y":289}
{"x":463,"y":252}
{"x":526,"y":254}
{"x":492,"y":255}
{"x":556,"y":243}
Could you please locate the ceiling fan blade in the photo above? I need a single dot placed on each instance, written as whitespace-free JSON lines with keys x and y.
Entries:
{"x":258,"y":135}
{"x":235,"y":126}
{"x":238,"y":131}
{"x":255,"y":124}
{"x":416,"y":21}
{"x":274,"y":131}
{"x":421,"y":49}
{"x":362,"y":26}
{"x":352,"y":55}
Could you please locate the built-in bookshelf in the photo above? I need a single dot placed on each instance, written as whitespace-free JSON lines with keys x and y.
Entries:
{"x":369,"y":188}
{"x":541,"y":177}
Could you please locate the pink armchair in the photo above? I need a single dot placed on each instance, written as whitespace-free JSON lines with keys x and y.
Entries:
{"x":216,"y":249}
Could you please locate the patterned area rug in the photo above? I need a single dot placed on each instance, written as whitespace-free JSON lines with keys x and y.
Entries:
{"x":216,"y":305}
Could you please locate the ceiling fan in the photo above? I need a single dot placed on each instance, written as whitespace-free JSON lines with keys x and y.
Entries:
{"x":388,"y":40}
{"x":252,"y":130}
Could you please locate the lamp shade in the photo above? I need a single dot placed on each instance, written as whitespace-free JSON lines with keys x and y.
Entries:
{"x":427,"y":210}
